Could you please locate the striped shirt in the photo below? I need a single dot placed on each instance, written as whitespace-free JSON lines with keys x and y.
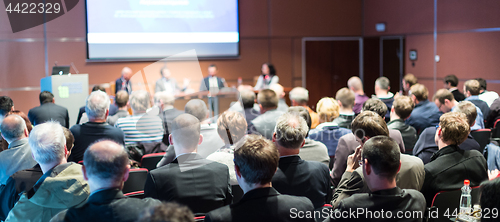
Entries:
{"x":142,"y":128}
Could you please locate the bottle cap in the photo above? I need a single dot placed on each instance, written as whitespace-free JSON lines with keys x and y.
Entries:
{"x":466,"y":182}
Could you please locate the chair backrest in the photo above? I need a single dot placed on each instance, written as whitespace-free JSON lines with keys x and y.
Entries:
{"x":446,"y":204}
{"x":496,"y":122}
{"x":237,"y":193}
{"x":136,"y":180}
{"x":149,"y":161}
{"x":136,"y":194}
{"x":482,"y":136}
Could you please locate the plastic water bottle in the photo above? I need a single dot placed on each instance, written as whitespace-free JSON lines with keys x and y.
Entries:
{"x":465,"y":199}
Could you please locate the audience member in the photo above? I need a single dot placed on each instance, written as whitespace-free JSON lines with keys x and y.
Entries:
{"x":123,"y":83}
{"x":231,"y":127}
{"x":167,"y":212}
{"x":400,"y":111}
{"x":82,"y":116}
{"x":97,"y":109}
{"x":256,"y":161}
{"x":18,"y":156}
{"x":312,"y":150}
{"x":106,"y":168}
{"x":212,"y":81}
{"x":296,"y":176}
{"x":328,"y":132}
{"x":121,"y":100}
{"x":380,"y":162}
{"x":168,"y":112}
{"x":168,"y":84}
{"x":192,"y":180}
{"x":299,"y":96}
{"x":471,"y":91}
{"x":408,"y":81}
{"x":450,"y":166}
{"x":62,"y":186}
{"x":24,"y":180}
{"x":48,"y":110}
{"x":490,"y":193}
{"x":6,"y":105}
{"x":445,"y":101}
{"x":485,"y":95}
{"x":425,"y":114}
{"x":4,"y":145}
{"x":248,"y":101}
{"x":354,"y":83}
{"x":494,"y":115}
{"x":382,"y":87}
{"x":426,"y":144}
{"x":345,"y":97}
{"x":451,"y":83}
{"x":141,"y":127}
{"x":267,"y":78}
{"x":265,"y":123}
{"x":279,"y":90}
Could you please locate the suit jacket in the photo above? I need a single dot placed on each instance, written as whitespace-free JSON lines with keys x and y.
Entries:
{"x":408,"y":133}
{"x":298,"y":177}
{"x":198,"y":183}
{"x":118,"y":85}
{"x":410,"y":176}
{"x":107,"y":205}
{"x":17,"y":157}
{"x":221,"y":82}
{"x":482,"y":105}
{"x":48,"y":111}
{"x":262,"y":204}
{"x":394,"y":200}
{"x":315,"y":151}
{"x":426,"y":145}
{"x":458,"y":95}
{"x":448,"y":169}
{"x":425,"y":114}
{"x":347,"y":145}
{"x":168,"y":116}
{"x":265,"y":123}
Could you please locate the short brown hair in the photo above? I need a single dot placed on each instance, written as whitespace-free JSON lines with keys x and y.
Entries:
{"x":403,"y":105}
{"x":375,"y":105}
{"x":410,"y":79}
{"x":452,"y":79}
{"x":369,"y":124}
{"x":121,"y":98}
{"x":443,"y":94}
{"x":472,"y":86}
{"x":267,"y":98}
{"x":454,"y":128}
{"x":420,"y":92}
{"x":346,"y":97}
{"x":469,"y":109}
{"x":256,"y":158}
{"x":70,"y":139}
{"x":328,"y":109}
{"x":231,"y":127}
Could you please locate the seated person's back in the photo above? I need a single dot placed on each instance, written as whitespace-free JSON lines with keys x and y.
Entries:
{"x":265,"y":123}
{"x":345,"y":98}
{"x":48,"y":110}
{"x":400,"y":111}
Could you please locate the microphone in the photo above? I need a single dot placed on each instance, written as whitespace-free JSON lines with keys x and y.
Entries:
{"x":74,"y":67}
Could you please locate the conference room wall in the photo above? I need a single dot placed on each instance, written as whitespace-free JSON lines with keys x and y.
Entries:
{"x":464,"y":50}
{"x":270,"y":31}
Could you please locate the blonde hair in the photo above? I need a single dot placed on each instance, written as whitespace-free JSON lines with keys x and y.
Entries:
{"x":454,"y":127}
{"x":328,"y":109}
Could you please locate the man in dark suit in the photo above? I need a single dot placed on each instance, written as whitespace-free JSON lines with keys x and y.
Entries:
{"x":400,"y":111}
{"x":248,"y":101}
{"x":48,"y":111}
{"x":450,"y":166}
{"x":380,"y":163}
{"x":212,"y":81}
{"x":265,"y":123}
{"x":123,"y":83}
{"x":192,"y":180}
{"x":296,"y":176}
{"x":106,"y":167}
{"x":256,"y":161}
{"x":425,"y":114}
{"x":451,"y":83}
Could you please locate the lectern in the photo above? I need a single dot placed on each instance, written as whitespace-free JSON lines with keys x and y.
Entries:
{"x":69,"y":91}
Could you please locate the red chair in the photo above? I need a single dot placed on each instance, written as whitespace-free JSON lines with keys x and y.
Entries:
{"x":149,"y":161}
{"x":136,"y":180}
{"x":447,"y":204}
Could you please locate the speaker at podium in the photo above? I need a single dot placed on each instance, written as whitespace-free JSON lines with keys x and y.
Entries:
{"x":70,"y":91}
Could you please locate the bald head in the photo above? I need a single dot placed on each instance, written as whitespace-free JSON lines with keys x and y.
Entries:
{"x":185,"y":134}
{"x":197,"y":108}
{"x":278,"y":89}
{"x":105,"y":162}
{"x":354,"y":83}
{"x":13,"y":128}
{"x":127,"y":73}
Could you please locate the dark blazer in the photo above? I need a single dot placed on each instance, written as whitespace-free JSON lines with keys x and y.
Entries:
{"x":263,"y":204}
{"x":425,"y":114}
{"x":448,"y":169}
{"x":482,"y":105}
{"x":458,"y":95}
{"x":388,"y":102}
{"x":48,"y":111}
{"x":408,"y":133}
{"x":347,"y":145}
{"x":204,"y":83}
{"x":426,"y":145}
{"x":251,"y":114}
{"x":494,"y":114}
{"x":118,"y":86}
{"x":107,"y":206}
{"x":298,"y":177}
{"x":344,"y":121}
{"x":198,"y":183}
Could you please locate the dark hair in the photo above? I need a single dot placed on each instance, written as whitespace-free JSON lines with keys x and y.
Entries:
{"x":70,"y":139}
{"x":98,"y":87}
{"x":482,"y":83}
{"x":490,"y":191}
{"x":267,"y":98}
{"x":375,"y":105}
{"x":256,"y":158}
{"x":105,"y":166}
{"x":302,"y":111}
{"x":452,"y":79}
{"x":121,"y":98}
{"x":382,"y":153}
{"x":167,"y":212}
{"x":369,"y":124}
{"x":272,"y":70}
{"x":6,"y":105}
{"x":46,"y":97}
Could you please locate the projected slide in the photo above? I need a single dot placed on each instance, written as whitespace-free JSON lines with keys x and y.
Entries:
{"x":143,"y":29}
